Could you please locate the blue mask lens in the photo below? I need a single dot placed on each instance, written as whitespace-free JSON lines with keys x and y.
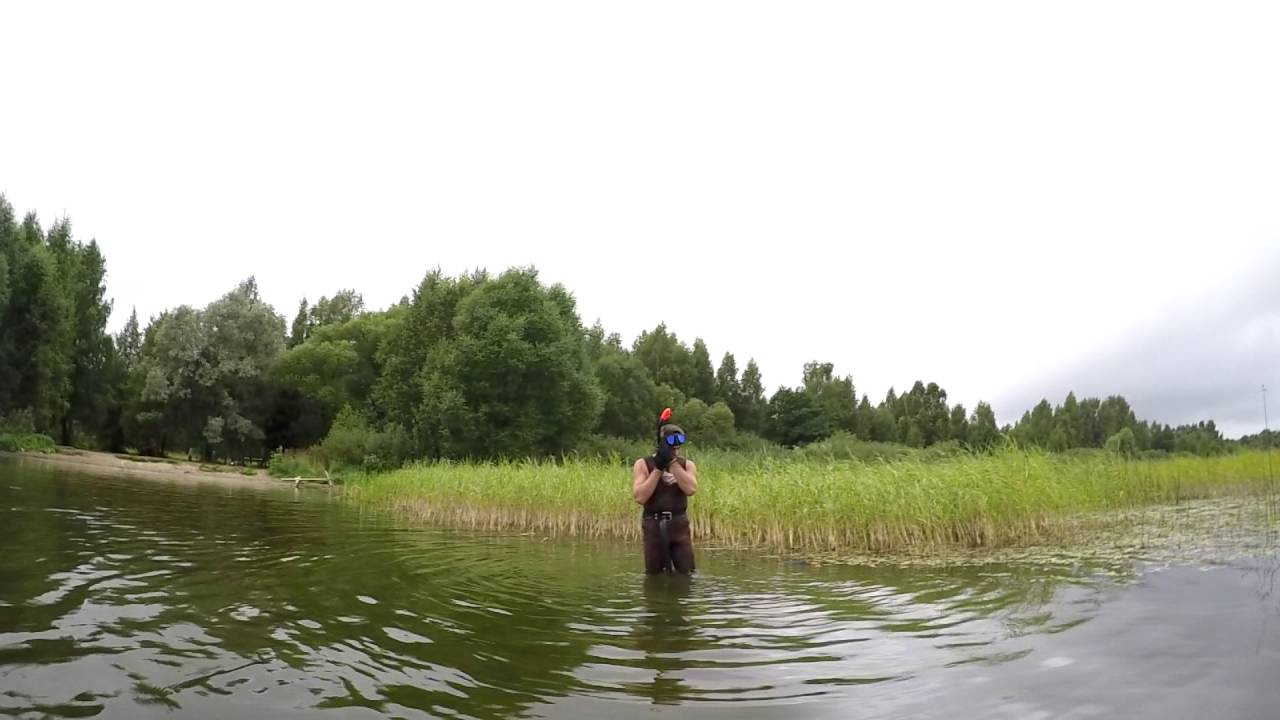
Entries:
{"x":674,"y":440}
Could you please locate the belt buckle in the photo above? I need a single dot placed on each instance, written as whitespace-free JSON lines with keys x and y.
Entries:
{"x":665,"y":515}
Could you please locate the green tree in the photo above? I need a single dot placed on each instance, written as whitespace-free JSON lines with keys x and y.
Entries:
{"x":419,"y":355}
{"x":1142,"y":435}
{"x":205,"y":375}
{"x":91,"y":351}
{"x":958,"y":425}
{"x":523,"y":368}
{"x":506,"y":373}
{"x":795,"y":418}
{"x":921,"y":414}
{"x":343,"y":307}
{"x":867,"y":427}
{"x":835,"y":397}
{"x":707,"y":425}
{"x":668,"y":361}
{"x":717,"y":427}
{"x":54,"y":351}
{"x":170,"y":378}
{"x":982,"y":428}
{"x":1067,"y":416}
{"x":129,"y":341}
{"x":1036,"y":425}
{"x":1114,"y":415}
{"x":753,"y":413}
{"x":35,"y":330}
{"x":301,"y":326}
{"x":1162,"y":437}
{"x":1058,"y":439}
{"x":885,"y":424}
{"x":4,"y":282}
{"x":728,"y":387}
{"x":668,"y":397}
{"x":704,"y":379}
{"x":1088,"y":425}
{"x":629,"y":394}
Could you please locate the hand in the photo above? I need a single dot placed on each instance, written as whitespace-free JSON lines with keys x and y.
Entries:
{"x":664,"y":455}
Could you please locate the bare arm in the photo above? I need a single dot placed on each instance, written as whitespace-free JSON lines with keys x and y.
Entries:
{"x":643,"y":482}
{"x":686,"y":477}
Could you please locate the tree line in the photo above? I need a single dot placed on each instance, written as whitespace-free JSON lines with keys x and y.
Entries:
{"x":473,"y":366}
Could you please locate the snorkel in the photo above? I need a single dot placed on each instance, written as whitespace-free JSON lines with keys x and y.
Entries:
{"x":662,"y":420}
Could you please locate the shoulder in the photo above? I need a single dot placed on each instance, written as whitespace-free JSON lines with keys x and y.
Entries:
{"x":688,"y":464}
{"x":641,"y":464}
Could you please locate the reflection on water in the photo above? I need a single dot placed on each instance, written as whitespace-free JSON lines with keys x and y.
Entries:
{"x":124,"y":597}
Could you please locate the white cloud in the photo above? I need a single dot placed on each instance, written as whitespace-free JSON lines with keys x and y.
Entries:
{"x":978,"y":194}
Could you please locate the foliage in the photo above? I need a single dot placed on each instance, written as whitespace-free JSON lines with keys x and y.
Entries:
{"x":338,"y":365}
{"x":343,"y":307}
{"x":703,"y":380}
{"x":667,"y":359}
{"x":752,"y":412}
{"x":982,"y":431}
{"x":27,"y":442}
{"x":512,"y":376}
{"x":203,"y":376}
{"x":629,"y":393}
{"x":54,"y":352}
{"x":612,"y":449}
{"x":1122,"y":442}
{"x":846,"y":446}
{"x":294,"y":464}
{"x":1091,"y":423}
{"x":795,"y":418}
{"x":353,"y":443}
{"x":473,"y":366}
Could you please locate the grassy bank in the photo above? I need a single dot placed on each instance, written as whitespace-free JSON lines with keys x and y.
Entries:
{"x":27,"y":442}
{"x":1008,"y":498}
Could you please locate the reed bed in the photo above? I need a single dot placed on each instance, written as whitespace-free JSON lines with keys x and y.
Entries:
{"x":1008,"y":498}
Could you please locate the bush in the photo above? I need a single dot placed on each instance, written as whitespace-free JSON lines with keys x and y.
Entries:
{"x":293,"y":464}
{"x":608,"y":447}
{"x":39,"y":443}
{"x":29,"y":442}
{"x":387,"y":449}
{"x":1122,"y":443}
{"x":347,"y":442}
{"x":352,"y":443}
{"x":845,"y":446}
{"x":943,"y":450}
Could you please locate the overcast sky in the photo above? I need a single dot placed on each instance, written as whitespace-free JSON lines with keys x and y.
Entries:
{"x":1010,"y":199}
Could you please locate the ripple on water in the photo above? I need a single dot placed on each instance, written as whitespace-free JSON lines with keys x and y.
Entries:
{"x":188,"y":599}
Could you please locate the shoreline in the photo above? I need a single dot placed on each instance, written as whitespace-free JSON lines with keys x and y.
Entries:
{"x":1190,"y":527}
{"x":102,"y":463}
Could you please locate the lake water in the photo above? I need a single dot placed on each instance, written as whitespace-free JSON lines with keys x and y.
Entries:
{"x":125,"y":598}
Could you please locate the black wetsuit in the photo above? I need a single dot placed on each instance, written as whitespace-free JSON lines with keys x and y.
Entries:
{"x":667,"y":543}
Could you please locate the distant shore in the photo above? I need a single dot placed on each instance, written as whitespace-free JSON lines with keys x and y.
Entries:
{"x":101,"y":463}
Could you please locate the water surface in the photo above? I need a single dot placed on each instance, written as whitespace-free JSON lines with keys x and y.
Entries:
{"x":126,"y":598}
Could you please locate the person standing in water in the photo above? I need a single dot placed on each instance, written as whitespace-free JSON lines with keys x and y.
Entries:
{"x":662,"y":483}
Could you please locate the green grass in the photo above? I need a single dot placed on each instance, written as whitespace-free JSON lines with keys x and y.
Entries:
{"x":295,"y":464}
{"x":27,"y":442}
{"x":811,"y":504}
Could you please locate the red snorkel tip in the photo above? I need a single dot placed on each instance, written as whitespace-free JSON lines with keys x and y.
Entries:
{"x":665,"y":416}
